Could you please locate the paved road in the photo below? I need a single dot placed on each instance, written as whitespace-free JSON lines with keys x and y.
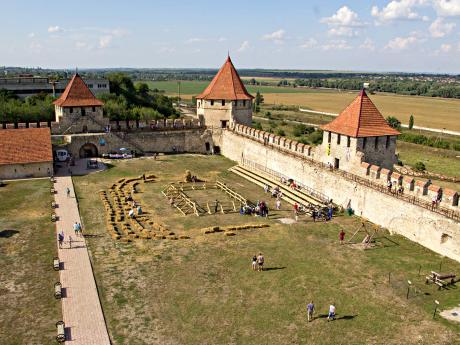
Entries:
{"x":81,"y":308}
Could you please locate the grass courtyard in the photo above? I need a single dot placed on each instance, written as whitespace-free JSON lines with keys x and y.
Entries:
{"x":28,"y":309}
{"x":202,"y":291}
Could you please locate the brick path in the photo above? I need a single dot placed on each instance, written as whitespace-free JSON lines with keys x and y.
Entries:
{"x":81,"y":308}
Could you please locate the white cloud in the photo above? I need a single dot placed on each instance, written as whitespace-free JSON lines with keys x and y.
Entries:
{"x":31,"y":35}
{"x":399,"y":10}
{"x":445,"y":48}
{"x":368,"y":44}
{"x":105,"y":41}
{"x":167,"y":50}
{"x":342,"y":31}
{"x":447,"y":8}
{"x":343,"y":17}
{"x":35,"y":46}
{"x":221,"y":39}
{"x":195,"y":40}
{"x":336,"y":45}
{"x":54,"y":29}
{"x":400,"y":43}
{"x":440,"y":29}
{"x":310,"y":43}
{"x":81,"y":45}
{"x":276,"y":36}
{"x":244,"y":46}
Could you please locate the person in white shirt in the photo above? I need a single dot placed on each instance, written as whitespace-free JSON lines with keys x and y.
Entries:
{"x":331,"y":314}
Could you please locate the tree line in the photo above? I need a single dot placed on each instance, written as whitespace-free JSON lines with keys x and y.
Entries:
{"x":430,"y":88}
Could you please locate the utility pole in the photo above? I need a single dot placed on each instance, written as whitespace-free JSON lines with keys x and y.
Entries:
{"x":178,"y":87}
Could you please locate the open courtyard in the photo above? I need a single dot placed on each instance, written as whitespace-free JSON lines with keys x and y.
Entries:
{"x":202,"y":290}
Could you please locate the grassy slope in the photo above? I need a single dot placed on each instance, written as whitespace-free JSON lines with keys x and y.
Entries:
{"x":28,"y":309}
{"x":201,"y":291}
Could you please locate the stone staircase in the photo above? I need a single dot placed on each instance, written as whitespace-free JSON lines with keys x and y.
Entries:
{"x":292,"y":196}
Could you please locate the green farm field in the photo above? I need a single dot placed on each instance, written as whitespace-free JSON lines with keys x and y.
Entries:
{"x":428,"y":112}
{"x":202,"y":290}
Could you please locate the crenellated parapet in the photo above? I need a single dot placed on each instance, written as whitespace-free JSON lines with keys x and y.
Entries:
{"x":407,"y":185}
{"x":271,"y":139}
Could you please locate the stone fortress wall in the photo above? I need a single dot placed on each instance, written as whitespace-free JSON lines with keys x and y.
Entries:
{"x":409,"y":214}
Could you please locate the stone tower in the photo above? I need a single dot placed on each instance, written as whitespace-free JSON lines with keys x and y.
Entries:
{"x":225,"y":101}
{"x":78,"y":110}
{"x":359,"y":134}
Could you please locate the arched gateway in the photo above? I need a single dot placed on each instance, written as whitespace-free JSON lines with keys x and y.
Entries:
{"x":88,"y":150}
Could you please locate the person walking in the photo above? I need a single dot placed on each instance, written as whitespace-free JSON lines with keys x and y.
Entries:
{"x":254,"y":262}
{"x":331,"y":314}
{"x":80,"y":230}
{"x":330,"y":210}
{"x":260,"y":262}
{"x":278,"y":204}
{"x":310,"y":311}
{"x":216,"y":207}
{"x":68,"y":192}
{"x":61,"y":238}
{"x":341,"y":236}
{"x":75,"y":228}
{"x":70,"y":242}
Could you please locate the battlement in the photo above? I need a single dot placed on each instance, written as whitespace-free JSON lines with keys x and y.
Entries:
{"x":123,"y":126}
{"x":407,"y":185}
{"x":270,"y":139}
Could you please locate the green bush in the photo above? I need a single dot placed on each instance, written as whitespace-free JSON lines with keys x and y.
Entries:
{"x":316,"y":137}
{"x":280,"y":132}
{"x":257,"y":125}
{"x":420,"y":166}
{"x":456,"y":146}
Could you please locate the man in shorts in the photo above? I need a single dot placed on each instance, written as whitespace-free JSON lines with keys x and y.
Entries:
{"x":331,"y":314}
{"x":260,"y":262}
{"x":310,"y":311}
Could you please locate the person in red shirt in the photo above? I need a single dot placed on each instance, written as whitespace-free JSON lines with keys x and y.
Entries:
{"x":341,"y":236}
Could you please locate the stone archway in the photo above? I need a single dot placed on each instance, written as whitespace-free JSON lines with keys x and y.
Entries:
{"x":88,"y":150}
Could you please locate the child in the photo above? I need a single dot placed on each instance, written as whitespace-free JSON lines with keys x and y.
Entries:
{"x":341,"y":236}
{"x":254,"y":262}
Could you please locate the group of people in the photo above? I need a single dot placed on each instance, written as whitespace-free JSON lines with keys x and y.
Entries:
{"x":77,"y":229}
{"x":258,"y":262}
{"x":260,"y":210}
{"x":394,"y":187}
{"x":311,"y":310}
{"x":135,"y":206}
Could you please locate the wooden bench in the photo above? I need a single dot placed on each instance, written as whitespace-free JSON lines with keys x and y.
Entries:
{"x":60,"y":328}
{"x":53,"y":217}
{"x":56,"y":264}
{"x":57,"y":290}
{"x":440,"y":279}
{"x":53,"y":204}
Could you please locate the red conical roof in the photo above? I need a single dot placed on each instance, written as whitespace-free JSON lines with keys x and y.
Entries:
{"x":360,"y":119}
{"x":77,"y":94}
{"x":226,"y":85}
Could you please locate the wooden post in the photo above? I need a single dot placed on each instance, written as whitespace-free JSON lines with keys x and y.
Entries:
{"x":209,"y":209}
{"x":419,"y":269}
{"x":436,"y":303}
{"x":234,"y":207}
{"x":409,"y":283}
{"x":389,"y":278}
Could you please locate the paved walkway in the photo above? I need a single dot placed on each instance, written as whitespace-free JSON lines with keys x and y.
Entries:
{"x":81,"y":308}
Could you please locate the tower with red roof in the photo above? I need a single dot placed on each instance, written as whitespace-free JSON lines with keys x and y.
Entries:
{"x":225,"y":101}
{"x":78,"y":110}
{"x":359,"y":134}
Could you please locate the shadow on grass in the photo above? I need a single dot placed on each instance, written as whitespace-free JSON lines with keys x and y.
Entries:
{"x":8,"y":233}
{"x":91,"y":236}
{"x":274,"y":268}
{"x":344,"y":317}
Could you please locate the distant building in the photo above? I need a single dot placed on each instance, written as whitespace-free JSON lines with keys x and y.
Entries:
{"x":78,"y":110}
{"x":359,"y":134}
{"x":225,"y":101}
{"x":25,"y":86}
{"x":25,"y":152}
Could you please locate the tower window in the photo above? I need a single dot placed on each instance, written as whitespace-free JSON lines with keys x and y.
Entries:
{"x":212,"y":102}
{"x":348,"y":141}
{"x":387,"y":143}
{"x":364,"y":142}
{"x":71,"y":110}
{"x":83,"y":112}
{"x":338,"y":139}
{"x":223,"y":102}
{"x":94,"y":109}
{"x":329,"y":137}
{"x":199,"y":104}
{"x":376,"y":143}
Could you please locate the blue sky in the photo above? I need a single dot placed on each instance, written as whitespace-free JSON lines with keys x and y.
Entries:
{"x":399,"y":35}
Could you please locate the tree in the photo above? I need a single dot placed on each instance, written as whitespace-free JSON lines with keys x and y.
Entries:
{"x":280,"y":132}
{"x":393,"y":122}
{"x":259,"y":98}
{"x":420,"y":166}
{"x":411,"y":122}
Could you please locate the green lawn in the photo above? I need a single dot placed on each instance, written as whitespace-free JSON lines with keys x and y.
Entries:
{"x":202,"y":291}
{"x":28,"y":310}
